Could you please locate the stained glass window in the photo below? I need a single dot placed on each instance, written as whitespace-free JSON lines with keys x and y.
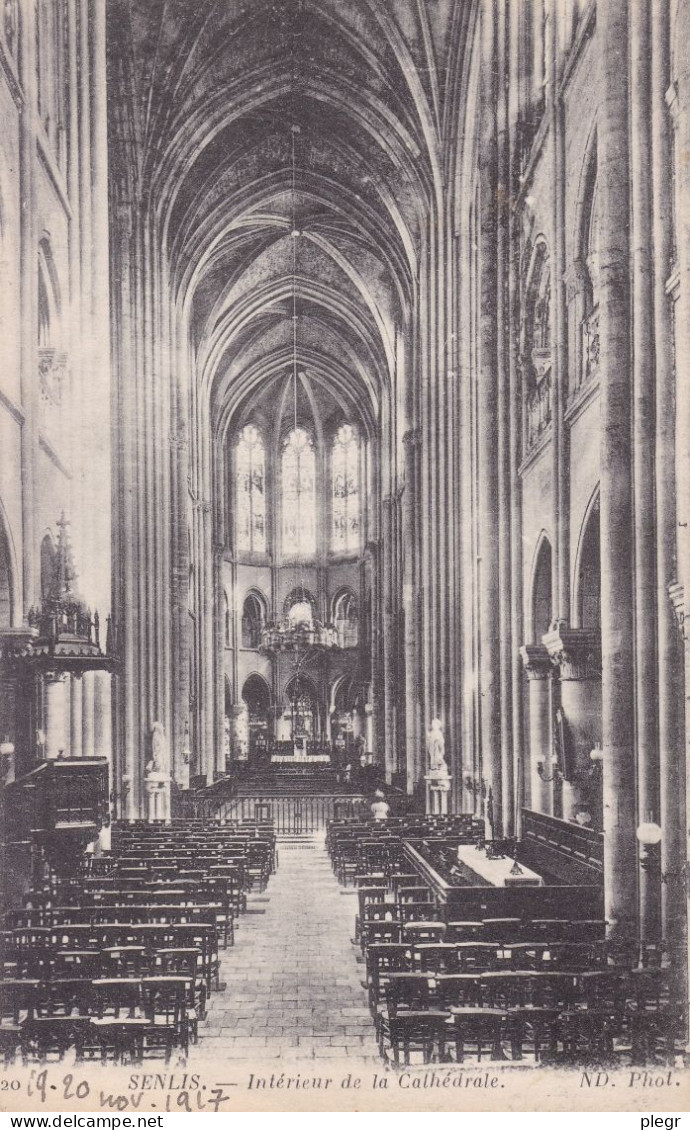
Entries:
{"x":345,"y":495}
{"x":299,"y":495}
{"x":251,"y":491}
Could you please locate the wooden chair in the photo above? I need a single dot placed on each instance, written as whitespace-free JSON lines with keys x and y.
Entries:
{"x":382,"y":959}
{"x":425,"y":1032}
{"x":535,"y":1028}
{"x":17,"y":1006}
{"x":62,"y":1009}
{"x":436,"y":957}
{"x":480,"y":1028}
{"x":408,"y":1021}
{"x":116,"y":1030}
{"x":502,"y":930}
{"x":166,"y":1007}
{"x":424,"y":931}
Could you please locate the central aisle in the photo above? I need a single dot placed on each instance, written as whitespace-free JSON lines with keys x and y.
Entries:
{"x":293,"y":985}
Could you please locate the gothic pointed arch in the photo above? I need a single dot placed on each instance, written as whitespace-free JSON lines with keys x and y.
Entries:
{"x":541,"y":602}
{"x":345,"y":617}
{"x":254,"y":618}
{"x":587,"y":581}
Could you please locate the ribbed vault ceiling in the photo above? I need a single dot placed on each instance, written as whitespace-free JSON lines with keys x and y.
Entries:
{"x":203,"y":98}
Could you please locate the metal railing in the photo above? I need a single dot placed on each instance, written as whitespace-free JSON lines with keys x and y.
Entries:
{"x":292,"y":815}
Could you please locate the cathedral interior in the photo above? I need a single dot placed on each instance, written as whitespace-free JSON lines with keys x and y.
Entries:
{"x":344,"y":485}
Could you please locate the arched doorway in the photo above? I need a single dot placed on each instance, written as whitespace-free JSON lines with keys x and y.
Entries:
{"x":257,"y":698}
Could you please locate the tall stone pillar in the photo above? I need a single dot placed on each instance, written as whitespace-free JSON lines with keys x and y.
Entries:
{"x":56,"y":732}
{"x":413,"y":705}
{"x":618,"y":719}
{"x":643,"y":425}
{"x":679,"y":104}
{"x":516,"y":17}
{"x":537,"y":664}
{"x":487,"y":467}
{"x":669,"y":648}
{"x":28,"y":243}
{"x":576,"y":653}
{"x":388,"y":642}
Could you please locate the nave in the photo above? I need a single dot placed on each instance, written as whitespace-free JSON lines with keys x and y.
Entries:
{"x":408,"y":942}
{"x":293,"y":986}
{"x":343,"y":451}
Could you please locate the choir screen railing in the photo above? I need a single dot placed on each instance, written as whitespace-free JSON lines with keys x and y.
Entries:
{"x":292,"y":814}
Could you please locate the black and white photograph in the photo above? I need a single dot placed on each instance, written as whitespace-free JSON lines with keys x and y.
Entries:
{"x":344,"y":542}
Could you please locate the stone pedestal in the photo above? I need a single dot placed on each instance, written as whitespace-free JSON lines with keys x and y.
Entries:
{"x":157,"y":789}
{"x":576,"y":653}
{"x":437,"y":793}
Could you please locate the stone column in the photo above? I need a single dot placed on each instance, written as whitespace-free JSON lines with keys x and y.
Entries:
{"x":56,"y":715}
{"x":538,"y":667}
{"x":507,"y":645}
{"x":76,"y":687}
{"x":88,"y":714}
{"x":643,"y":424}
{"x":103,"y":739}
{"x":669,"y":649}
{"x":559,"y":380}
{"x":679,"y":104}
{"x":516,"y":17}
{"x":618,"y":720}
{"x":102,"y":715}
{"x":388,"y":642}
{"x":413,"y":738}
{"x":487,"y":469}
{"x":576,"y":653}
{"x":28,"y":243}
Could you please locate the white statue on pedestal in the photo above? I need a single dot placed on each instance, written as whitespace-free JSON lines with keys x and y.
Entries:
{"x":437,"y":777}
{"x":157,"y":777}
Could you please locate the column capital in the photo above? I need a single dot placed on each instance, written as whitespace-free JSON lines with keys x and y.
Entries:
{"x":52,"y":678}
{"x":575,"y":651}
{"x":411,"y":438}
{"x":536,"y":661}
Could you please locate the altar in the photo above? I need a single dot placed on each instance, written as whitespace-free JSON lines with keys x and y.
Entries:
{"x":495,"y":872}
{"x":300,"y":757}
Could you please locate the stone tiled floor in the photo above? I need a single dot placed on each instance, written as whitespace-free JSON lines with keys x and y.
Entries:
{"x":293,"y":985}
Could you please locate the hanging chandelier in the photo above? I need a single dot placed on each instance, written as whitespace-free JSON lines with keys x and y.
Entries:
{"x":299,"y":633}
